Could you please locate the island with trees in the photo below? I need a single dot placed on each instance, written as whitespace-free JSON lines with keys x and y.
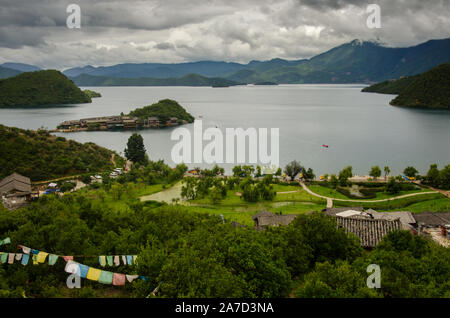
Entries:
{"x":40,"y":88}
{"x":165,"y":113}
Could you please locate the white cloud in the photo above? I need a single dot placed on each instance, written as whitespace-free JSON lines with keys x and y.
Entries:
{"x":175,"y":31}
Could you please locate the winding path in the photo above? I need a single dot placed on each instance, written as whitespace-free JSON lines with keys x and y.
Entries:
{"x":330,"y":200}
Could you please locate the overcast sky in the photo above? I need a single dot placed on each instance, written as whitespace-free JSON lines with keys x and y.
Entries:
{"x":112,"y":32}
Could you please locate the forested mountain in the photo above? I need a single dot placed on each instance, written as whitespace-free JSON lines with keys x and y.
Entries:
{"x":41,"y":156}
{"x":40,"y":88}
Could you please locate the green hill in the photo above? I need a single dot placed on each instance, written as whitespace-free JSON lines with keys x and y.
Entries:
{"x":428,"y":90}
{"x":48,"y":87}
{"x":164,"y":109}
{"x":41,"y":156}
{"x":431,"y":90}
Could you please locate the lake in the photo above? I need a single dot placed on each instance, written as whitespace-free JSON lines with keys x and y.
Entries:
{"x":361,"y":129}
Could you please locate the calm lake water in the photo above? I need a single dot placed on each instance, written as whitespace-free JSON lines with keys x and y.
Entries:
{"x":361,"y":129}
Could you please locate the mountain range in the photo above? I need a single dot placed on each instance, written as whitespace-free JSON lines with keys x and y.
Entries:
{"x":354,"y":62}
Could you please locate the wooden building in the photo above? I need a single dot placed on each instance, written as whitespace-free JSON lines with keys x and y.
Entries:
{"x":15,"y":191}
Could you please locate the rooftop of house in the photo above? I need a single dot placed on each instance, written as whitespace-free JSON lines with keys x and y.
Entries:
{"x":16,"y":183}
{"x":433,"y":219}
{"x":266,"y":218}
{"x":369,"y":231}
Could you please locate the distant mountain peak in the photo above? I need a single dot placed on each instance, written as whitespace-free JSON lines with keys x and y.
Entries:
{"x":359,"y":42}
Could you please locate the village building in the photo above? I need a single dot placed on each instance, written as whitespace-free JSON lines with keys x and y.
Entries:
{"x":153,"y":122}
{"x":369,"y":231}
{"x":435,"y":225}
{"x":265,"y":218}
{"x":15,"y":191}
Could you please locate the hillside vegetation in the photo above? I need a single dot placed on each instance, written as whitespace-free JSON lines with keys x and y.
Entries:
{"x":428,"y":90}
{"x":40,"y":88}
{"x":164,"y":109}
{"x":41,"y":156}
{"x":390,"y":87}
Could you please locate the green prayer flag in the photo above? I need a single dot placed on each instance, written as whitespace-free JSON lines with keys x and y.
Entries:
{"x":106,"y":277}
{"x":4,"y":257}
{"x":109,"y":259}
{"x":5,"y":241}
{"x":52,"y":259}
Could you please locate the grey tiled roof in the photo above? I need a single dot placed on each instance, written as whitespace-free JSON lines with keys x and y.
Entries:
{"x":15,"y":182}
{"x":433,"y":218}
{"x":369,"y":231}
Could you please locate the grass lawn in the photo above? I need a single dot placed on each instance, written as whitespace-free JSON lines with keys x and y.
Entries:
{"x":399,"y":204}
{"x":332,"y":193}
{"x":286,"y":188}
{"x":439,"y":205}
{"x":243,"y":214}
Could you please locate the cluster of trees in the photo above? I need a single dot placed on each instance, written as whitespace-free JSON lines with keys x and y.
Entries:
{"x":196,"y":255}
{"x":47,"y":87}
{"x":438,"y":178}
{"x":164,"y":109}
{"x":41,"y":156}
{"x":208,"y":186}
{"x":294,"y":168}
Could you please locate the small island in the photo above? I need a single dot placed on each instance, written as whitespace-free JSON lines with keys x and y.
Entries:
{"x":92,"y":94}
{"x":165,"y":113}
{"x":40,"y":88}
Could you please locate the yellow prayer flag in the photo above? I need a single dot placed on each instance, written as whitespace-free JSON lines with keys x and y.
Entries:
{"x":41,"y":257}
{"x":93,"y":274}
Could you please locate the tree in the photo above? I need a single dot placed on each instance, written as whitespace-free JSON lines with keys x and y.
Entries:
{"x":393,"y":186}
{"x":309,"y":174}
{"x":334,"y":181}
{"x":344,"y":175}
{"x":375,"y":172}
{"x":410,"y":172}
{"x":432,"y":176}
{"x":293,"y":168}
{"x":258,"y":172}
{"x":444,"y":177}
{"x":278,"y":173}
{"x":386,"y":172}
{"x":135,"y":150}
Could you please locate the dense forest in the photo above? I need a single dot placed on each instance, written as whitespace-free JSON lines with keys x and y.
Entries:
{"x":428,"y":90}
{"x":41,"y":156}
{"x":164,"y":109}
{"x":190,"y":254}
{"x":40,"y":88}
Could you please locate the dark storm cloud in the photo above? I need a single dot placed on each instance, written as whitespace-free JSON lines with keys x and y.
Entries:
{"x":234,"y":30}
